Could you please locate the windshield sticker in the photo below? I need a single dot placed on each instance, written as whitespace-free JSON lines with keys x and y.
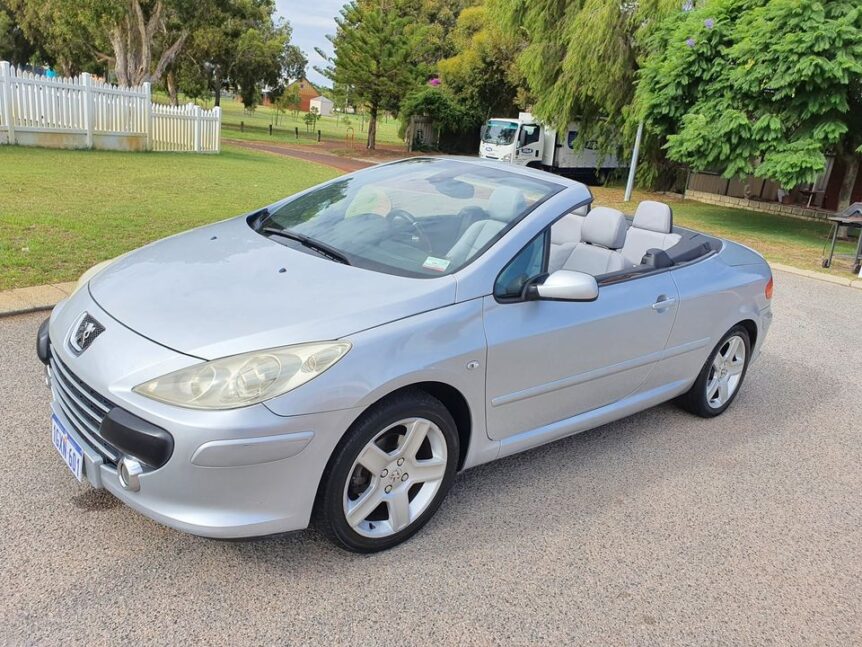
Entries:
{"x":436,"y":264}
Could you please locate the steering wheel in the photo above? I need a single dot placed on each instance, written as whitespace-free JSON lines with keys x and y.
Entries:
{"x":400,"y":214}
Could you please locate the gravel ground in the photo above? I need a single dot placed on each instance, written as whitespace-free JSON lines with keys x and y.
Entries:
{"x":658,"y":529}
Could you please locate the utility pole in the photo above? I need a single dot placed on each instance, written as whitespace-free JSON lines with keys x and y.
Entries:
{"x":630,"y":185}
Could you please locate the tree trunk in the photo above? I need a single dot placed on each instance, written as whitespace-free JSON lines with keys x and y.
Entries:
{"x":171,"y":83}
{"x":372,"y":128}
{"x":217,"y":87}
{"x":851,"y":169}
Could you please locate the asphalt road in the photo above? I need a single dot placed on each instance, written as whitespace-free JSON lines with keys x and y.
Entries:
{"x":658,"y":529}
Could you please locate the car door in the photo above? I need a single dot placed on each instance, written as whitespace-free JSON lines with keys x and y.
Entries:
{"x":551,"y":360}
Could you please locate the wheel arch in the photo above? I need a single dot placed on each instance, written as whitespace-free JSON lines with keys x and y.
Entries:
{"x":448,"y":395}
{"x":751,"y":328}
{"x":455,"y":403}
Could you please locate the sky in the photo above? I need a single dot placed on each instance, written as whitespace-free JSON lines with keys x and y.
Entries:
{"x":311,"y":21}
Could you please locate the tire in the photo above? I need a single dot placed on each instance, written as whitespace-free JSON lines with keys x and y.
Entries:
{"x":706,"y":398}
{"x":369,"y":501}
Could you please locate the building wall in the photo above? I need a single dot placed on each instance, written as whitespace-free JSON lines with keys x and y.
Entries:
{"x":307,"y":92}
{"x":323,"y":105}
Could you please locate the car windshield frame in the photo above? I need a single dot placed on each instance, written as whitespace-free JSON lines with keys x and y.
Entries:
{"x":317,"y":214}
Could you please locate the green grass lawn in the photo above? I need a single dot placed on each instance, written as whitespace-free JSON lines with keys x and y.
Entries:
{"x":62,"y":211}
{"x":782,"y":239}
{"x":333,"y":129}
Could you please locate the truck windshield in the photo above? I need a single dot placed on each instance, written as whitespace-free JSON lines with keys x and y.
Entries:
{"x":499,"y":132}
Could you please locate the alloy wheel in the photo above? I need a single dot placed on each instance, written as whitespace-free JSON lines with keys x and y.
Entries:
{"x":395,"y":477}
{"x":726,"y":372}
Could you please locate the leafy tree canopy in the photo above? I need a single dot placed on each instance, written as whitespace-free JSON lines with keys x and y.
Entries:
{"x":373,"y":47}
{"x":482,"y":74}
{"x":580,"y":58}
{"x":763,"y":87}
{"x":434,"y":103}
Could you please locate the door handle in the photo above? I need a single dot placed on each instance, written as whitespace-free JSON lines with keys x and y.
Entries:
{"x":663,"y":303}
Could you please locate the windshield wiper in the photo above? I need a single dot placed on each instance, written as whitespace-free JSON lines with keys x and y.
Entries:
{"x":321,"y":248}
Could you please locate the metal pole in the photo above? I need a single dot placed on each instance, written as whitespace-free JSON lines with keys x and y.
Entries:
{"x":630,"y":185}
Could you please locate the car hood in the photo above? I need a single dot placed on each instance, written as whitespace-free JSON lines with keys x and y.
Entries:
{"x":225,"y":289}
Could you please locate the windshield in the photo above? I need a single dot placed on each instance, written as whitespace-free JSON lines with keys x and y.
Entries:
{"x":422,"y":217}
{"x":499,"y":132}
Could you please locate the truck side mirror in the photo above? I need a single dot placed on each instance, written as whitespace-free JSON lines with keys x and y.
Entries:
{"x":522,"y":137}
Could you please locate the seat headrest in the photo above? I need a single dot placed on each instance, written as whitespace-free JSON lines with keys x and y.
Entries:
{"x":505,"y":203}
{"x":653,"y":216}
{"x":606,"y":227}
{"x":567,"y":229}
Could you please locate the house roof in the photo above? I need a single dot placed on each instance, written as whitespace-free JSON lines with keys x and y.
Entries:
{"x":305,"y":80}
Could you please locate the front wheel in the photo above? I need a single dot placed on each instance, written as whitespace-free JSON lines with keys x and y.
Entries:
{"x":389,"y":475}
{"x":721,"y":377}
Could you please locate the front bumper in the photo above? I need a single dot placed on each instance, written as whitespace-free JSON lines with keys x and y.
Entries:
{"x":239,"y":473}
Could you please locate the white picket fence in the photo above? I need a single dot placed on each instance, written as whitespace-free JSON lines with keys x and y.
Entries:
{"x":82,"y":112}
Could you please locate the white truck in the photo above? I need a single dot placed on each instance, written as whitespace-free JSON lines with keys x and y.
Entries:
{"x":527,"y":142}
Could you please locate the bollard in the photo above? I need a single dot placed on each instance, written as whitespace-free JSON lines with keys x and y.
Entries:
{"x":270,"y":130}
{"x":297,"y":132}
{"x":318,"y":136}
{"x":241,"y":126}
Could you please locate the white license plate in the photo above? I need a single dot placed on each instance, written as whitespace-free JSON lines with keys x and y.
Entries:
{"x":69,"y":449}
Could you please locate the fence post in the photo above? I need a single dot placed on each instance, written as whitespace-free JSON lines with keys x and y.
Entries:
{"x":89,"y":107}
{"x":148,"y":114}
{"x":6,"y":78}
{"x":198,"y":124}
{"x":217,"y":111}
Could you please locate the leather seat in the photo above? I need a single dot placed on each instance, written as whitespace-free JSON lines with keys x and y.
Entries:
{"x":504,"y":205}
{"x":565,"y":235}
{"x":651,"y":229}
{"x":603,"y":233}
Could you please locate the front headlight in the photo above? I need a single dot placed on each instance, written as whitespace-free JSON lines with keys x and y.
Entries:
{"x":241,"y":380}
{"x":506,"y":158}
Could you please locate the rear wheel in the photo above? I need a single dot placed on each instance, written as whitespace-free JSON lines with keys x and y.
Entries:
{"x":721,"y":377}
{"x":390,"y":474}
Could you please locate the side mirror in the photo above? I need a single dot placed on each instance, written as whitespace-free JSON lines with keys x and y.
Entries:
{"x":522,"y":137}
{"x":566,"y":285}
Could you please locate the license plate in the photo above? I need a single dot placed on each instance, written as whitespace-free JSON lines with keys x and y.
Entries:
{"x":70,"y":450}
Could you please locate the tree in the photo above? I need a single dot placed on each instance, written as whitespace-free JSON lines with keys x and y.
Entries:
{"x":310,"y":119}
{"x":54,"y":33}
{"x":137,"y":39}
{"x":373,"y":46}
{"x":15,"y":46}
{"x":437,"y":104}
{"x":241,"y":47}
{"x":289,"y":100}
{"x":482,"y":75}
{"x":580,"y":59}
{"x":759,"y":87}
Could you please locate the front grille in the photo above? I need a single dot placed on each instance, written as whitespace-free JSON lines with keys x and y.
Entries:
{"x":84,"y":408}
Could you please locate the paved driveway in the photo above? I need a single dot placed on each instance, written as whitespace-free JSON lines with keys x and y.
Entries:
{"x":661,"y":528}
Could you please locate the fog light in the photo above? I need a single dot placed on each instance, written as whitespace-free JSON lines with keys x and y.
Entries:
{"x":129,"y":471}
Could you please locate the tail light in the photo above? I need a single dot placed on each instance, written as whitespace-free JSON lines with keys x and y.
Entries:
{"x":768,"y":289}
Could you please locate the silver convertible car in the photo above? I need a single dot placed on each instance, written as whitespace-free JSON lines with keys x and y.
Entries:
{"x":341,"y":354}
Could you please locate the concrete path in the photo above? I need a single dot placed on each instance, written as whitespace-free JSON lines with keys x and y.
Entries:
{"x":660,"y":529}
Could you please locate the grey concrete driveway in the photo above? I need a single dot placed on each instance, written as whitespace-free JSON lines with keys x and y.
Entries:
{"x":659,"y":529}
